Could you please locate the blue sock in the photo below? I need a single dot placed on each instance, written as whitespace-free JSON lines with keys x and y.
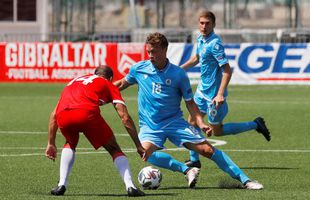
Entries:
{"x":227,"y":165}
{"x":194,"y":156}
{"x":164,"y":160}
{"x":235,"y":128}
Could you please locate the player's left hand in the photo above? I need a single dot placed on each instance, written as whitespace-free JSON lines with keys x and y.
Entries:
{"x":218,"y":101}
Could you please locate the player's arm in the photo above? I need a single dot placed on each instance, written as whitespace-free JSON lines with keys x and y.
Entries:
{"x":122,"y":84}
{"x":196,"y":115}
{"x":51,"y":150}
{"x":193,"y":61}
{"x":130,"y":127}
{"x":219,"y":99}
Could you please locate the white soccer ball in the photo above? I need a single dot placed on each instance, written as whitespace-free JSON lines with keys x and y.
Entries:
{"x":150,"y":178}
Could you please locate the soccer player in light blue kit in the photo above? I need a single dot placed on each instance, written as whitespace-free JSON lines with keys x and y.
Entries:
{"x":211,"y":92}
{"x":162,"y":86}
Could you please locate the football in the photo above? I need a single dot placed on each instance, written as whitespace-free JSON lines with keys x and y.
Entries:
{"x":150,"y":178}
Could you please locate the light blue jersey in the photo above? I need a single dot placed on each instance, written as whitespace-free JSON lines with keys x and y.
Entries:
{"x":212,"y":56}
{"x":160,"y":93}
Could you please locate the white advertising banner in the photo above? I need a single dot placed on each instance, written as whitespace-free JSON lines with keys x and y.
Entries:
{"x":274,"y":63}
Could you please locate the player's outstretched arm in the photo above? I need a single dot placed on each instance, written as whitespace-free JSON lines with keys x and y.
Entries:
{"x":193,"y":61}
{"x":122,"y":84}
{"x":219,"y":99}
{"x":196,"y":115}
{"x":51,"y":150}
{"x":131,"y":128}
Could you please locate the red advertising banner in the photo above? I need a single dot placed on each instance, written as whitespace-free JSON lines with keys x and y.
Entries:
{"x":127,"y":55}
{"x":60,"y":62}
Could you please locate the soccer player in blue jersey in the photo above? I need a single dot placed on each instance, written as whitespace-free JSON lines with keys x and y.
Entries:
{"x":162,"y":85}
{"x":211,"y":92}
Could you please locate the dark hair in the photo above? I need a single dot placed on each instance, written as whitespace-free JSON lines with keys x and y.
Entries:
{"x":157,"y":39}
{"x":104,"y":71}
{"x":207,"y":14}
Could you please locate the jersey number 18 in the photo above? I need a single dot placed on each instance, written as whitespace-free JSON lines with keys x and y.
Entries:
{"x":156,"y":88}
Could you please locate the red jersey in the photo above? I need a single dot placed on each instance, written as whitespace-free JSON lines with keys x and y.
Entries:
{"x":88,"y":92}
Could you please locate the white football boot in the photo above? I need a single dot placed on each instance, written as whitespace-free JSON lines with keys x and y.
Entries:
{"x":192,"y":176}
{"x":253,"y":185}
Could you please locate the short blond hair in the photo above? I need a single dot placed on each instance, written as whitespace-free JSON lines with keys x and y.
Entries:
{"x":207,"y":14}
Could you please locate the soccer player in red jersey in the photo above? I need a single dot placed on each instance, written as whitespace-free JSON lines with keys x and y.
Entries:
{"x":78,"y":111}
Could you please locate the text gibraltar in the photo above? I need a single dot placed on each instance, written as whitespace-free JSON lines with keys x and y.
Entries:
{"x":55,"y":54}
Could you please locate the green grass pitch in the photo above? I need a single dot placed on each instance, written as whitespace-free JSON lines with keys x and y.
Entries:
{"x":282,"y":165}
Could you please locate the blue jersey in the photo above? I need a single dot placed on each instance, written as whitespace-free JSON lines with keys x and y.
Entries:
{"x":211,"y":57}
{"x":159,"y":93}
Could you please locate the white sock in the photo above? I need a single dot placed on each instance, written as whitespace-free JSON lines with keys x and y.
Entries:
{"x":66,"y":163}
{"x":121,"y":163}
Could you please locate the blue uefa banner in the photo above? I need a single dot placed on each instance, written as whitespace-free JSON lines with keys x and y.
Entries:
{"x":273,"y":63}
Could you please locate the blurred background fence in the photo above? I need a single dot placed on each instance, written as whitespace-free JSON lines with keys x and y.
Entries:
{"x":238,"y":21}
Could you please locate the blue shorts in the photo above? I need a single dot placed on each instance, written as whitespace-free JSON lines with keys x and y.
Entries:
{"x":215,"y":116}
{"x":178,"y":132}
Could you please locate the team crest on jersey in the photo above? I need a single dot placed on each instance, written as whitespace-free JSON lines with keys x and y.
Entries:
{"x":217,"y":47}
{"x":168,"y":81}
{"x":145,"y":76}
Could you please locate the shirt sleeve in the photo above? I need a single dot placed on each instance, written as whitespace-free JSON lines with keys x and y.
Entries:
{"x":197,"y":46}
{"x":185,"y":86}
{"x":115,"y":94}
{"x":218,"y":52}
{"x":131,"y":76}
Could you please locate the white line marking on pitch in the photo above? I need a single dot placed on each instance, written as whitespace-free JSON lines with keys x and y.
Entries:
{"x":170,"y":149}
{"x":41,"y":133}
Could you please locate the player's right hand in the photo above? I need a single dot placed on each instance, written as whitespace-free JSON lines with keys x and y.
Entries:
{"x":51,"y":152}
{"x":141,"y":151}
{"x":207,"y":129}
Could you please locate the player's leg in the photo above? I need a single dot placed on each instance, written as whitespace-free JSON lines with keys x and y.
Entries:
{"x":165,"y":160}
{"x":121,"y":163}
{"x":234,"y":128}
{"x":203,"y":107}
{"x":193,"y":140}
{"x":224,"y":162}
{"x":153,"y":140}
{"x":66,"y":164}
{"x":99,"y":134}
{"x":68,"y":123}
{"x":193,"y":156}
{"x":216,"y":117}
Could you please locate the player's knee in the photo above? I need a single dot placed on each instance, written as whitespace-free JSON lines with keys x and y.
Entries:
{"x":112,"y":148}
{"x":191,"y":121}
{"x":117,"y":154}
{"x":207,"y":151}
{"x":217,"y":130}
{"x":69,"y":146}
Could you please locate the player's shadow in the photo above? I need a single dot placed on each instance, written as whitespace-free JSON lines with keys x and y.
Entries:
{"x":120,"y":195}
{"x":222,"y":185}
{"x":270,"y":168}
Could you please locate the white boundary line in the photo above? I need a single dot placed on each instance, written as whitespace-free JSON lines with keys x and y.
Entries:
{"x":169,"y":149}
{"x":40,"y":133}
{"x":237,"y":101}
{"x":24,"y":132}
{"x":213,"y":141}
